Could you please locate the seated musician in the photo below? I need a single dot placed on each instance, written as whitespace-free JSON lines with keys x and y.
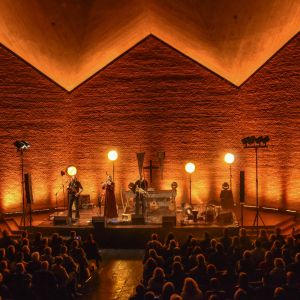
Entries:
{"x":226,"y":196}
{"x":140,"y":189}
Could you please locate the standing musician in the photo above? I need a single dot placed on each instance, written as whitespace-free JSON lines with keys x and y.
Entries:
{"x":110,"y":206}
{"x":74,"y":190}
{"x":226,"y":196}
{"x":140,"y":189}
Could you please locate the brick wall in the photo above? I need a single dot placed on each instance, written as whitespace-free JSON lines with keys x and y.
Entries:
{"x":152,"y":99}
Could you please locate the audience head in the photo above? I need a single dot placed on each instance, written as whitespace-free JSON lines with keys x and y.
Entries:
{"x":35,"y":256}
{"x":45,"y":265}
{"x":2,"y":253}
{"x":58,"y":260}
{"x":38,"y":236}
{"x":167,"y":290}
{"x":176,"y":297}
{"x":243,"y":280}
{"x":149,"y":296}
{"x":279,"y":293}
{"x":214,"y":283}
{"x":154,"y":236}
{"x":291,"y":278}
{"x":158,"y":273}
{"x":20,"y":268}
{"x":48,"y":250}
{"x":201,"y":260}
{"x":240,"y":294}
{"x":190,"y":288}
{"x":279,"y":263}
{"x":64,"y":250}
{"x":140,"y":289}
{"x":177,"y":267}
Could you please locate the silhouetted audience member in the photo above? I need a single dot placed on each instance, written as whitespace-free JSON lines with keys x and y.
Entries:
{"x":190,"y":290}
{"x":205,"y":243}
{"x":264,"y":239}
{"x":149,"y":267}
{"x":139,"y":293}
{"x":157,"y":281}
{"x":6,"y":240}
{"x":277,"y":275}
{"x":278,"y":236}
{"x":44,"y":282}
{"x":258,"y":253}
{"x":168,"y":290}
{"x":215,"y":289}
{"x":20,"y":284}
{"x":291,"y":287}
{"x":295,"y":267}
{"x":92,"y":250}
{"x":35,"y":263}
{"x":47,"y":256}
{"x":226,"y":240}
{"x":245,"y":241}
{"x":177,"y":276}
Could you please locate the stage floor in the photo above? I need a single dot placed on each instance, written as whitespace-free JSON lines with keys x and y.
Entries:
{"x":150,"y":219}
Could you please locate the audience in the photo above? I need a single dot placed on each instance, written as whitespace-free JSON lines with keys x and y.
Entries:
{"x":44,"y":268}
{"x":228,"y":268}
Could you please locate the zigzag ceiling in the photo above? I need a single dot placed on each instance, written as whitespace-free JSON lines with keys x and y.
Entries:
{"x":70,"y":40}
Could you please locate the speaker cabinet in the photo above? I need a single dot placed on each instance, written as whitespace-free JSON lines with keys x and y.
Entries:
{"x":28,"y":188}
{"x":138,"y":219}
{"x":242,"y":186}
{"x":225,"y":218}
{"x":60,"y":220}
{"x":98,"y":222}
{"x":169,"y":221}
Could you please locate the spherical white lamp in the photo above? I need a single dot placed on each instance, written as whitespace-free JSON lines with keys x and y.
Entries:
{"x":72,"y":171}
{"x":229,"y":159}
{"x":190,"y":168}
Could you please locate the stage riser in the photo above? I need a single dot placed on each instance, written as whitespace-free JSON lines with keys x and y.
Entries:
{"x":136,"y":238}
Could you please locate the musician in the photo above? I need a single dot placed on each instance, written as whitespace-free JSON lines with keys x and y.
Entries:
{"x":140,"y":188}
{"x":74,"y":189}
{"x":110,"y":204}
{"x":226,"y":196}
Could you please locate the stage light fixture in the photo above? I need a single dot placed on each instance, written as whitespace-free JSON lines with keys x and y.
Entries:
{"x":21,"y":145}
{"x":229,"y":159}
{"x":190,"y":168}
{"x":255,"y":143}
{"x":72,"y":171}
{"x":112,"y":155}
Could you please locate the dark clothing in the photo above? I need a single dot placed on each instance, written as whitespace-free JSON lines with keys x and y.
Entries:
{"x":44,"y":284}
{"x":140,"y":187}
{"x":73,"y":188}
{"x":226,"y":199}
{"x":110,"y":207}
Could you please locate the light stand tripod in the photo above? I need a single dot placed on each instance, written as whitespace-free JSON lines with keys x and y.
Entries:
{"x":256,"y":143}
{"x":21,"y":147}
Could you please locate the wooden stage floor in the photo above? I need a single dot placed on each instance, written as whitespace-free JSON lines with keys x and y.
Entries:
{"x":120,"y":234}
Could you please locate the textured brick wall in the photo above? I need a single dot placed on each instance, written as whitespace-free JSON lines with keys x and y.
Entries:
{"x":152,"y":99}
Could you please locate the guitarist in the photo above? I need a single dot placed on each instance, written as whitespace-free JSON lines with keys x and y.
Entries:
{"x":140,"y":190}
{"x":74,"y":190}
